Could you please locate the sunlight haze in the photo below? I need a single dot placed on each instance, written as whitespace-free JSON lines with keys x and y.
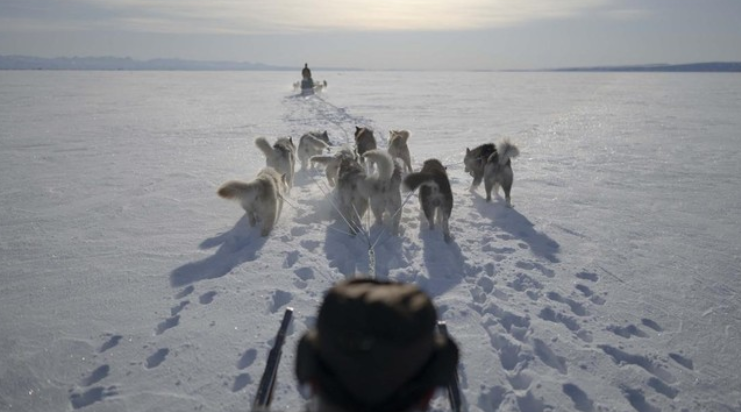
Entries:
{"x":436,"y":35}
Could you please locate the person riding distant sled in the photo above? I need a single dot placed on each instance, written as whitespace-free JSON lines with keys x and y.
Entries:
{"x":307,"y":82}
{"x":375,"y":348}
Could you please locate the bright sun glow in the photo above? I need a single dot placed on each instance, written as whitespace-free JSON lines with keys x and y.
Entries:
{"x":293,"y":16}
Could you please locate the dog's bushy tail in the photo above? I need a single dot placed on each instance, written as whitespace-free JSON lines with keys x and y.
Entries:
{"x":506,"y":151}
{"x":383,"y":160}
{"x":316,"y":140}
{"x":264,"y":146}
{"x":323,"y":160}
{"x":416,"y":179}
{"x":238,"y":190}
{"x":403,"y":134}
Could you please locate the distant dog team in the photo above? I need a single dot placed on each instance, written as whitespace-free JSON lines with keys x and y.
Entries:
{"x":368,"y":177}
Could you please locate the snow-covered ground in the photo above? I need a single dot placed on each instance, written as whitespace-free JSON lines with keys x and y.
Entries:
{"x":612,"y":285}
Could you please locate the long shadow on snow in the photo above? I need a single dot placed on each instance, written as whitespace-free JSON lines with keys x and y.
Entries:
{"x":349,"y":254}
{"x":238,"y":245}
{"x":513,"y":222}
{"x":444,"y":261}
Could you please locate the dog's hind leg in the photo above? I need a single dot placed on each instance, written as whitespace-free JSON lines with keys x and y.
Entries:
{"x":446,"y":227}
{"x":429,"y":211}
{"x":507,"y":180}
{"x":268,"y":221}
{"x":252,"y":217}
{"x":488,"y":185}
{"x":406,"y":158}
{"x":476,"y":181}
{"x":377,"y":207}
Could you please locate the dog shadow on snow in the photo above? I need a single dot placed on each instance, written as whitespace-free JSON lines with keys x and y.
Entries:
{"x":445,"y":263}
{"x":238,"y":245}
{"x":518,"y":226}
{"x":350,"y":254}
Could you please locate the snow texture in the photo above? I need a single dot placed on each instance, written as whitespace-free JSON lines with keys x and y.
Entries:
{"x":127,"y":284}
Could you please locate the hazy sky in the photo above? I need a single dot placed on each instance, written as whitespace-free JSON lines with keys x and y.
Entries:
{"x":380,"y":34}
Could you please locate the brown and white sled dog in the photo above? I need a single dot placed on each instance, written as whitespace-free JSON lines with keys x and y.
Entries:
{"x":332,"y":163}
{"x":281,"y":156}
{"x":312,"y":144}
{"x":399,"y":149}
{"x":364,"y":140}
{"x":435,"y":194}
{"x":261,"y":198}
{"x":498,"y":170}
{"x":384,"y":188}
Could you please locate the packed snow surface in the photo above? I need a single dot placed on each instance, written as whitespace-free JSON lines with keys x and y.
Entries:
{"x":127,"y":284}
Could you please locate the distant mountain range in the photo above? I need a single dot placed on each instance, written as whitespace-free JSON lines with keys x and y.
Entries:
{"x":124,"y":63}
{"x":127,"y":63}
{"x":689,"y":67}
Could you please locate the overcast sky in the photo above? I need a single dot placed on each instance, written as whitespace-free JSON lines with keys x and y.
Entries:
{"x":380,"y":34}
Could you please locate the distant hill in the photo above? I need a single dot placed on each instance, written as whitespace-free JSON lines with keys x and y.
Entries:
{"x":124,"y":63}
{"x":127,"y":63}
{"x":689,"y":67}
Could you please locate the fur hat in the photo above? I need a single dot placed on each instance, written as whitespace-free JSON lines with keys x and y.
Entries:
{"x":375,"y":347}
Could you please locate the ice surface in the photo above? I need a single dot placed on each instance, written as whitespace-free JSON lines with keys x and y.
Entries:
{"x":128,"y":284}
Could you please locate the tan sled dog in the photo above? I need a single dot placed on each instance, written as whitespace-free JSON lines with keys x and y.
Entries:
{"x":261,"y":198}
{"x":399,"y":149}
{"x":312,"y":144}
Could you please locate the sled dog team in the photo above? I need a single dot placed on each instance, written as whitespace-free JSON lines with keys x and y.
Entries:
{"x":368,"y":177}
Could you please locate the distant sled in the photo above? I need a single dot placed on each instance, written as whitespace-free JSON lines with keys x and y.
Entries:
{"x":309,"y":87}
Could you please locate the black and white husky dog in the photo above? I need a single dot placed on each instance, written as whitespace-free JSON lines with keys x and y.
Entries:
{"x":435,"y":194}
{"x":492,"y":164}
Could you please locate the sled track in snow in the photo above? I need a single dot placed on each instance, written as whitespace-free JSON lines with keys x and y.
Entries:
{"x":308,"y":113}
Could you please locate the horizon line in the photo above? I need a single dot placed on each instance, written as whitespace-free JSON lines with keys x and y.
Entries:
{"x":27,"y":62}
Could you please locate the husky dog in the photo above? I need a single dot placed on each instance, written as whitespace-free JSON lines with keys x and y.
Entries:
{"x":364,"y":140}
{"x":312,"y":144}
{"x":498,"y":170}
{"x":435,"y":194}
{"x":398,"y":147}
{"x":332,"y":163}
{"x":262,"y":198}
{"x":356,"y":189}
{"x":475,"y":160}
{"x":383,"y":189}
{"x":352,"y":199}
{"x":281,"y":156}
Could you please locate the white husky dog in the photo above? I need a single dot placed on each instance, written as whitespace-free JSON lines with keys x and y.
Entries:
{"x":384,"y":188}
{"x":261,"y":198}
{"x":281,"y":156}
{"x":398,"y":147}
{"x":312,"y":144}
